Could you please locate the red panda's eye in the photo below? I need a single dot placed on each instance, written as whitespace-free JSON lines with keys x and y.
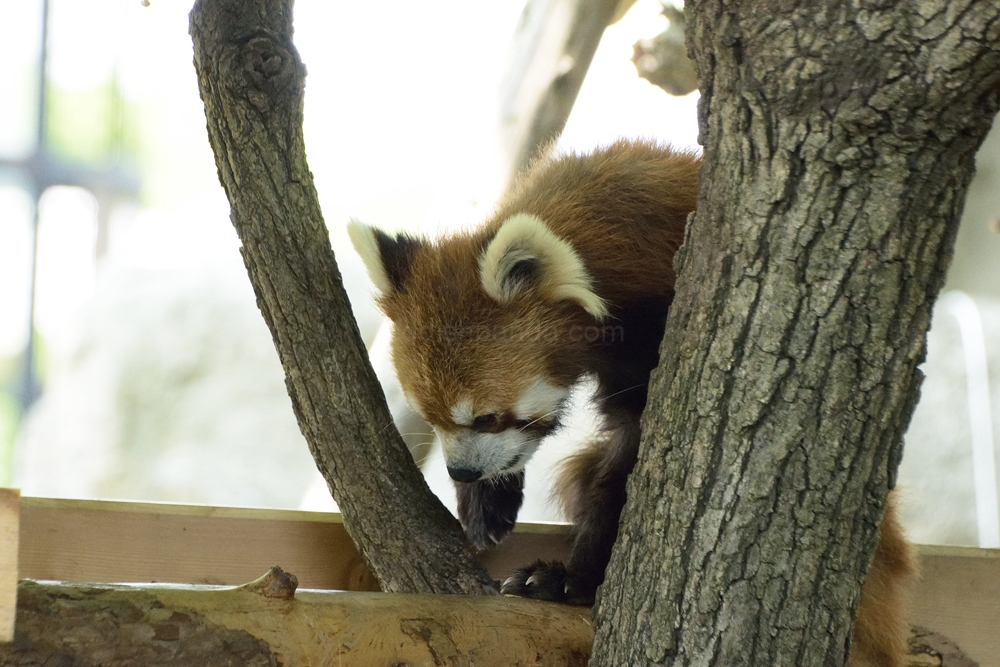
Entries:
{"x":486,"y":423}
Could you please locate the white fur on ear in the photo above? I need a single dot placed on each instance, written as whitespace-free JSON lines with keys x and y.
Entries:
{"x":365,"y":243}
{"x":525,"y":253}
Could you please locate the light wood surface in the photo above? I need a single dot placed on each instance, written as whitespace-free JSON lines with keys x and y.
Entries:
{"x":958,"y":594}
{"x":165,"y":626}
{"x":9,"y":513}
{"x":109,"y":541}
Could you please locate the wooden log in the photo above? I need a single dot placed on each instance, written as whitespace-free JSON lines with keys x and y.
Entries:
{"x":118,"y":626}
{"x":266,"y":623}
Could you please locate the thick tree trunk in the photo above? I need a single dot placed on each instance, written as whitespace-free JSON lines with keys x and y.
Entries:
{"x":251,"y":80}
{"x":839,"y":142}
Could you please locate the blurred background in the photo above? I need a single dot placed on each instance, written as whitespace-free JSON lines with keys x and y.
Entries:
{"x":133,"y":361}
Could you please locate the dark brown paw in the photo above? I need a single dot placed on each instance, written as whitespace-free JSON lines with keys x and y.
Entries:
{"x":548,"y":581}
{"x":488,"y":529}
{"x":488,"y":509}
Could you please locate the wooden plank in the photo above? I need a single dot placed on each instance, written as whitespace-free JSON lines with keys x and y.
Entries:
{"x":106,"y":542}
{"x":115,"y":542}
{"x":958,"y":595}
{"x":9,"y":518}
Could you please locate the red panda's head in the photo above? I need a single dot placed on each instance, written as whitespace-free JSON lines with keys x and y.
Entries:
{"x":489,"y":334}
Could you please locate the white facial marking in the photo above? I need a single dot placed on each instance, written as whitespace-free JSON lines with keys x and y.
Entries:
{"x":508,"y":450}
{"x":462,"y":413}
{"x":540,"y":398}
{"x":363,"y":238}
{"x":489,"y":453}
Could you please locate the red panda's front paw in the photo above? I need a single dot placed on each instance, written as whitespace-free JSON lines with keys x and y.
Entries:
{"x":548,"y":581}
{"x":540,"y":580}
{"x":488,"y":508}
{"x":487,"y":529}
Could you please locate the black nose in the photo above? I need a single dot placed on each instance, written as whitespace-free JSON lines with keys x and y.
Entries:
{"x":464,"y":474}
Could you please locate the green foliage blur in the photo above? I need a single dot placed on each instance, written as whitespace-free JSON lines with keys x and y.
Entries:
{"x":94,"y":126}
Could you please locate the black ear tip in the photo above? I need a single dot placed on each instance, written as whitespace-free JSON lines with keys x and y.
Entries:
{"x":397,"y":254}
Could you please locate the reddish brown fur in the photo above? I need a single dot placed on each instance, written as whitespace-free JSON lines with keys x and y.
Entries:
{"x":621,"y":237}
{"x":623,"y":208}
{"x":611,"y":205}
{"x":881,"y":629}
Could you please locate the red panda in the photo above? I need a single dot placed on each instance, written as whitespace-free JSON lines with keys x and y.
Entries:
{"x":571,"y":276}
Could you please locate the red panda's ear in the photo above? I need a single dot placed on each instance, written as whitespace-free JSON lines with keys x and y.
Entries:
{"x":386,"y":257}
{"x":525,"y":254}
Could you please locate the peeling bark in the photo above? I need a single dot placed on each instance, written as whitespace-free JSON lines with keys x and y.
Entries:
{"x":839,"y":141}
{"x":251,"y":81}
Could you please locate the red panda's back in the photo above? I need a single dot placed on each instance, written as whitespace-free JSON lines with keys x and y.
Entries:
{"x":623,"y":208}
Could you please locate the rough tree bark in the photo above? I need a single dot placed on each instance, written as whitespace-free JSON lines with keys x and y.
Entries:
{"x":839,"y":140}
{"x":251,"y":81}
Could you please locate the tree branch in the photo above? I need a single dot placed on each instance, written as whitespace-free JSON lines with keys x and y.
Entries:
{"x":663,"y":60}
{"x":554,"y":45}
{"x":251,"y":81}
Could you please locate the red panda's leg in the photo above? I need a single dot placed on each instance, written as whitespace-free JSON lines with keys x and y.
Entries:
{"x":488,"y":508}
{"x":592,"y":486}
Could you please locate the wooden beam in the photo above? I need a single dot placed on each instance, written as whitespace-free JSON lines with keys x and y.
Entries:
{"x":9,"y":530}
{"x":113,"y":542}
{"x":957,"y":595}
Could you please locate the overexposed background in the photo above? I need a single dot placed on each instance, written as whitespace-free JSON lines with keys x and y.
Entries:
{"x":160,"y":381}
